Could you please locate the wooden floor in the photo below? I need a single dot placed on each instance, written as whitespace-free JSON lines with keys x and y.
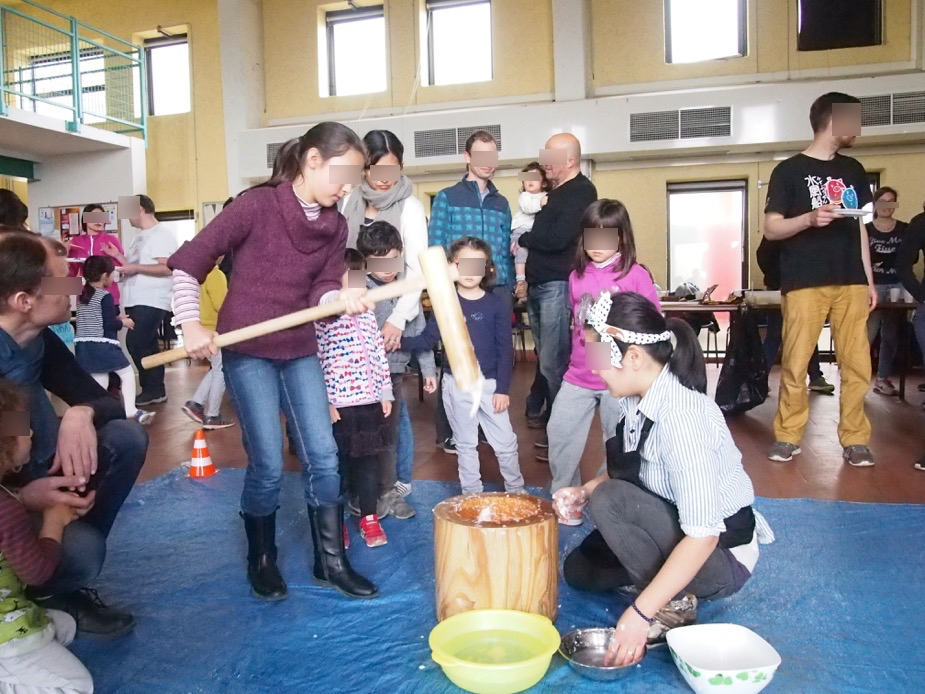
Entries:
{"x":819,"y":473}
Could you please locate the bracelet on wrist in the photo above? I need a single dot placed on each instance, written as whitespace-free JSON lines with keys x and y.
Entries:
{"x":639,"y":612}
{"x":521,"y":278}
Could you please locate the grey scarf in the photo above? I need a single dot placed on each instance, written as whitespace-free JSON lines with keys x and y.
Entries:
{"x":389,"y":203}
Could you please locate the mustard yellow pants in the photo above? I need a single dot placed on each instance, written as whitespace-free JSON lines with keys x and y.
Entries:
{"x":805,"y":311}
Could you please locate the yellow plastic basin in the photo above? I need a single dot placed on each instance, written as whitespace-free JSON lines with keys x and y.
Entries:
{"x":494,"y":651}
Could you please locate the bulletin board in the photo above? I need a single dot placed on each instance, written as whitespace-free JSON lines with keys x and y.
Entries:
{"x":64,"y":221}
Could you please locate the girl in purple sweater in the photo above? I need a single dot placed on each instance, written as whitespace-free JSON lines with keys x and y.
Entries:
{"x":606,"y":262}
{"x":288,"y":241}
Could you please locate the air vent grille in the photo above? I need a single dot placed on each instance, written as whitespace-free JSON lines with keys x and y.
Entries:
{"x":909,"y":107}
{"x":654,"y":125}
{"x":875,"y":110}
{"x":447,"y":142}
{"x":272,"y":149}
{"x":706,"y":122}
{"x":462,"y":134}
{"x":435,"y":143}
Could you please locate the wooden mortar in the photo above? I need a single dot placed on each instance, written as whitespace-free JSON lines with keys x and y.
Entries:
{"x":507,"y":560}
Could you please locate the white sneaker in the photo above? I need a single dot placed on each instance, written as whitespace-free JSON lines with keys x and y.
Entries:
{"x":144,"y":418}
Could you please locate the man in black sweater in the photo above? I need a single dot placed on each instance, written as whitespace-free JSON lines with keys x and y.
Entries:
{"x":553,"y":243}
{"x":92,"y":449}
{"x":906,"y":258}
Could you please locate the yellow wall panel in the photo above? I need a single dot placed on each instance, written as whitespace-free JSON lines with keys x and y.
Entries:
{"x":521,"y":44}
{"x":629,"y":43}
{"x":629,"y":46}
{"x":171,"y":170}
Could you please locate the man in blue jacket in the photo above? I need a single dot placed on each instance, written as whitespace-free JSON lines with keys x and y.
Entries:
{"x":474,"y":207}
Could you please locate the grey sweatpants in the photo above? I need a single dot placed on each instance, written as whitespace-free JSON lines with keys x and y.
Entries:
{"x":211,"y":388}
{"x":569,"y":423}
{"x":498,"y":431}
{"x":636,"y":531}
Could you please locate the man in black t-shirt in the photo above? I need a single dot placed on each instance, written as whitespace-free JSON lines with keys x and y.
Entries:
{"x":825,"y":272}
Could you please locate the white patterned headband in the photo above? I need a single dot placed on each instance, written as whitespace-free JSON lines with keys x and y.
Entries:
{"x":597,"y":319}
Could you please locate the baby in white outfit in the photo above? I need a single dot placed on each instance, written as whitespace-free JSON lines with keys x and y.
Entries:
{"x":534,"y":187}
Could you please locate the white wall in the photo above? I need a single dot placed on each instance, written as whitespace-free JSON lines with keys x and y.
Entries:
{"x":79,"y":179}
{"x":765,"y":118}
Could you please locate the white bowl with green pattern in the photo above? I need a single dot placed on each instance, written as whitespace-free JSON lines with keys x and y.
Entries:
{"x":723,"y":658}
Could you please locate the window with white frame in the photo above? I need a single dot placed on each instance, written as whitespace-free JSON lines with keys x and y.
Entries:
{"x":168,"y":75}
{"x":356,"y":51}
{"x":698,"y":30}
{"x":458,"y":41}
{"x":707,"y":235}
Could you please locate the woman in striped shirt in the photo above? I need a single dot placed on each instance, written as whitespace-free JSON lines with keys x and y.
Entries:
{"x":674,"y":512}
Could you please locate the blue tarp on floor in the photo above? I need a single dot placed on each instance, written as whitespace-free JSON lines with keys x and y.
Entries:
{"x":840,"y":595}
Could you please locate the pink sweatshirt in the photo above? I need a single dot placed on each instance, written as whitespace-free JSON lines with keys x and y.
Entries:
{"x":593,"y":282}
{"x":85,"y":245}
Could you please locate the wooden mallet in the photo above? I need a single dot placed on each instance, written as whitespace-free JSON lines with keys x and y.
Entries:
{"x":437,"y":277}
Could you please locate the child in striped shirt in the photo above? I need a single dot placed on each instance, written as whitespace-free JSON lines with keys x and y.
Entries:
{"x":33,"y":641}
{"x":96,"y":346}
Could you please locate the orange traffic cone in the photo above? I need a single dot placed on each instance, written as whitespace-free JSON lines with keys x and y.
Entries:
{"x":201,"y":464}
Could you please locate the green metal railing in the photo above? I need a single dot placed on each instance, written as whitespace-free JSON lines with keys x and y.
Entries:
{"x":58,"y":66}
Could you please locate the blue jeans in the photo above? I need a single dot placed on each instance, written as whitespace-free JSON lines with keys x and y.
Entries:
{"x":918,"y":324}
{"x":397,"y":461}
{"x":887,"y":323}
{"x":141,"y":342}
{"x":538,"y":400}
{"x":405,"y":444}
{"x":550,"y":314}
{"x":259,"y":388}
{"x":772,"y":342}
{"x":121,"y":449}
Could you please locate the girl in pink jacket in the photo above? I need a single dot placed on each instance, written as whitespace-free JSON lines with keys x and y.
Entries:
{"x":95,"y":241}
{"x":356,"y":375}
{"x":606,"y":262}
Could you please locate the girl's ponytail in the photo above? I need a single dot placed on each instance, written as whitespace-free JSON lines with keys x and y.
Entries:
{"x":329,"y":138}
{"x":87,"y":292}
{"x":686,"y":361}
{"x":287,"y":164}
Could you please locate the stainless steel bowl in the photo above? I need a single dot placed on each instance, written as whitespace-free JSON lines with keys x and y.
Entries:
{"x":584,"y":649}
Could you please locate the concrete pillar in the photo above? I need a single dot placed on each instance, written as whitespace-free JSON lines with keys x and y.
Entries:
{"x":241,"y":41}
{"x":571,"y":41}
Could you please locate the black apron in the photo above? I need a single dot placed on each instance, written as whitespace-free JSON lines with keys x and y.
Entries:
{"x":625,"y":465}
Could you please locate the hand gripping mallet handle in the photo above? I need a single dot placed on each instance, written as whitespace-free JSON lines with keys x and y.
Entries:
{"x":438,"y":278}
{"x":290,"y":320}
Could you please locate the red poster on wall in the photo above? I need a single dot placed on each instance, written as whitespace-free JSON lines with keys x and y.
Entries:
{"x":69,"y":222}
